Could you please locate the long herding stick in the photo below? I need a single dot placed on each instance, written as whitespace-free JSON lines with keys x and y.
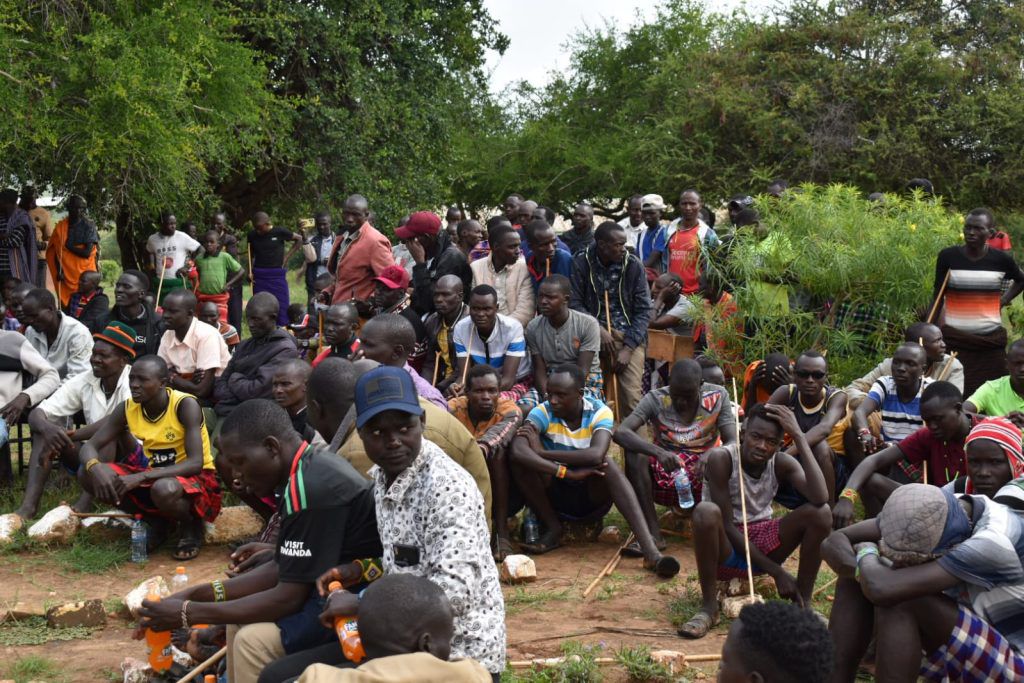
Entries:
{"x":938,"y":298}
{"x":743,"y":503}
{"x":609,"y":566}
{"x":160,"y":285}
{"x":615,"y":378}
{"x":437,"y":366}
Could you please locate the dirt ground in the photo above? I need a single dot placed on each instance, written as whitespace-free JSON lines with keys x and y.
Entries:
{"x":541,"y":615}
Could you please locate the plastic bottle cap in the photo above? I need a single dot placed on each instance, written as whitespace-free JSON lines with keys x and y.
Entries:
{"x":138,"y":518}
{"x":179,"y":570}
{"x":209,"y":678}
{"x":334,"y":585}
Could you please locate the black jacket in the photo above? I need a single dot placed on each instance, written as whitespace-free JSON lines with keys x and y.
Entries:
{"x":449,"y":261}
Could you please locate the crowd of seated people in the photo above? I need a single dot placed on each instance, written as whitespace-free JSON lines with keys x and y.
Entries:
{"x":391,"y":427}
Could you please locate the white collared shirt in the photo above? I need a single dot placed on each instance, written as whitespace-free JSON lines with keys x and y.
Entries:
{"x":85,"y":392}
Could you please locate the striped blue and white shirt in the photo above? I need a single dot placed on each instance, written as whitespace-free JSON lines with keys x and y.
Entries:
{"x":505,"y":341}
{"x":556,"y":435}
{"x":899,"y":419}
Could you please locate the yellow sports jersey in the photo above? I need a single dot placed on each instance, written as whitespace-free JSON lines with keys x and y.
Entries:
{"x":163,"y":439}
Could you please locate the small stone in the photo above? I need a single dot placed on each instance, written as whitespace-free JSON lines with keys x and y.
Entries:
{"x":518,"y":569}
{"x":610,"y":534}
{"x":675,"y":661}
{"x":731,"y":607}
{"x":9,"y":525}
{"x":235,"y":523}
{"x":57,"y":526}
{"x":133,"y":601}
{"x":81,"y":613}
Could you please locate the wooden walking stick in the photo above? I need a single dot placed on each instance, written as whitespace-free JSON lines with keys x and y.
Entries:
{"x":194,"y":673}
{"x":947,"y":368}
{"x":320,"y":326}
{"x":743,"y":505}
{"x":615,"y":378}
{"x":609,"y":566}
{"x":938,"y":298}
{"x":437,"y":366}
{"x":160,"y":285}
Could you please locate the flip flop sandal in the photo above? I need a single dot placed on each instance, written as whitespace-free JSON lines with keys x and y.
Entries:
{"x":545,"y":545}
{"x":189,"y":544}
{"x":632,"y":550}
{"x":664,"y":567}
{"x":698,"y":626}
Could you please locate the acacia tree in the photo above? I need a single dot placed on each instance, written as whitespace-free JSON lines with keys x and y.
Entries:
{"x":379,"y":88}
{"x":867,"y":92}
{"x":137,"y":105}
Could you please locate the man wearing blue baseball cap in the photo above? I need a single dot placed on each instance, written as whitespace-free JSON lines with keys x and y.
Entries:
{"x":430,"y":515}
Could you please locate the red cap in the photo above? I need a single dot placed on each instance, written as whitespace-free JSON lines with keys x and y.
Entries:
{"x":420,"y":223}
{"x":394,"y":277}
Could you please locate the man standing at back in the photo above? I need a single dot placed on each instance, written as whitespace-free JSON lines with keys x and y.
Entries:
{"x":72,"y":250}
{"x":44,"y":229}
{"x":359,"y":255}
{"x":268,"y":260}
{"x":688,"y":238}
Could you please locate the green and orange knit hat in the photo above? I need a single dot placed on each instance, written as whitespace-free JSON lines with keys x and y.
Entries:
{"x":120,"y":335}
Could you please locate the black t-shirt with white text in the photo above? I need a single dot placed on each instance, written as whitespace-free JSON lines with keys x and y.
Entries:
{"x":268,"y":248}
{"x":327,"y":517}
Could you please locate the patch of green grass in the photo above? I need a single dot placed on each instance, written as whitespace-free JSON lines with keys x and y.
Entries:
{"x":32,"y":668}
{"x":687,"y":601}
{"x":579,"y":667}
{"x":641,"y":667}
{"x":521,"y":598}
{"x":92,"y":555}
{"x":34,"y":631}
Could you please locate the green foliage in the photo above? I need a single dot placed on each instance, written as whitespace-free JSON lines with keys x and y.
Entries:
{"x":831,"y":248}
{"x":854,"y":91}
{"x":138,"y":105}
{"x":110,"y":270}
{"x":243,"y":104}
{"x":34,"y":631}
{"x":641,"y":667}
{"x":579,"y":667}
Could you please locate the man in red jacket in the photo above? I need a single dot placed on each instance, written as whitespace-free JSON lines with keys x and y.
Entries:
{"x":360,"y":254}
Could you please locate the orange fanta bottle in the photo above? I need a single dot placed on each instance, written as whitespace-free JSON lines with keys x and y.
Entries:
{"x":159,"y":643}
{"x":348,"y":633}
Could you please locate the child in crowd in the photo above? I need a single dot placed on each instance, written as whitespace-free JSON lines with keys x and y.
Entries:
{"x":218,"y":272}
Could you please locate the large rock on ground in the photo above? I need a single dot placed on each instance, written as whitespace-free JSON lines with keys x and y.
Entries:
{"x":81,"y":613}
{"x":57,"y":526}
{"x":731,"y":607}
{"x":518,"y":569}
{"x":235,"y":523}
{"x":133,"y":601}
{"x":9,"y":526}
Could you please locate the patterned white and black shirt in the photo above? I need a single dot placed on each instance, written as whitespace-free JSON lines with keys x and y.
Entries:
{"x":432,"y":518}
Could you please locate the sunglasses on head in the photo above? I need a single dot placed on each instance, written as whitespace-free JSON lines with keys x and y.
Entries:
{"x":816,"y":374}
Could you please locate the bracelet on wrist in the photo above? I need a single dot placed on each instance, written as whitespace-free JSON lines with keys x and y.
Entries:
{"x":561,"y":472}
{"x":220,"y":593}
{"x":184,"y":614}
{"x":92,"y":463}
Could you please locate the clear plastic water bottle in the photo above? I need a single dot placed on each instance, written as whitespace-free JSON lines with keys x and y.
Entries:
{"x":179,"y":581}
{"x":139,"y":540}
{"x":531,"y":531}
{"x":681,"y":481}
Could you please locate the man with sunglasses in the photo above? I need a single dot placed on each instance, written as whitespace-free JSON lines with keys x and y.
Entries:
{"x":818,"y":407}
